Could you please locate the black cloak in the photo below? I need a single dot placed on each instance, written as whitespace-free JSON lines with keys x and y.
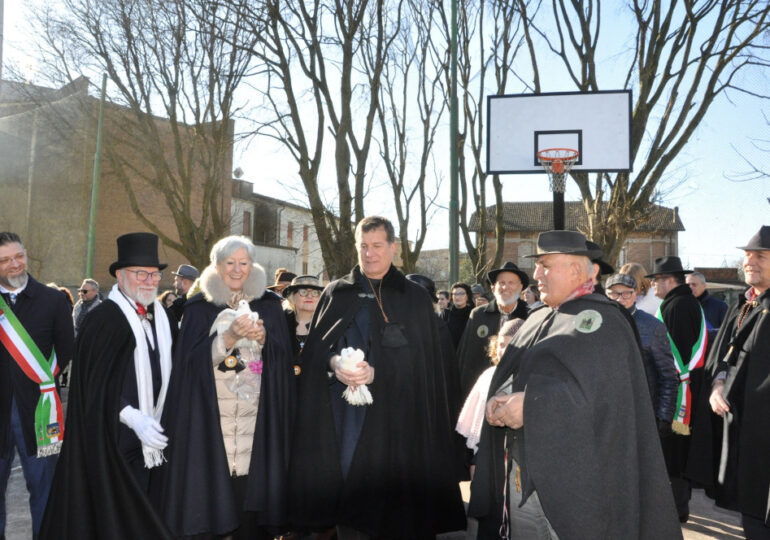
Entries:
{"x":400,"y":482}
{"x":94,"y":493}
{"x":747,"y":477}
{"x":196,"y":491}
{"x":589,"y":444}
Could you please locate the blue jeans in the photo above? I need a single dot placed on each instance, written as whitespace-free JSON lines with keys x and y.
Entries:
{"x":38,"y":473}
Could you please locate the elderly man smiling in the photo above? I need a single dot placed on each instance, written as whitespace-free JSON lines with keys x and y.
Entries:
{"x":570,"y":434}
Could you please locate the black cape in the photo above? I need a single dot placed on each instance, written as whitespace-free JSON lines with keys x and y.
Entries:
{"x":747,"y":477}
{"x":196,"y":491}
{"x":94,"y":493}
{"x":589,"y":445}
{"x":400,"y":483}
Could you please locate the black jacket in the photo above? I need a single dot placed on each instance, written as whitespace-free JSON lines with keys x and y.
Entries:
{"x":46,"y":315}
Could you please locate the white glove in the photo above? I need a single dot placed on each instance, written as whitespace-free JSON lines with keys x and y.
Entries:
{"x":348,"y":360}
{"x":149,"y":431}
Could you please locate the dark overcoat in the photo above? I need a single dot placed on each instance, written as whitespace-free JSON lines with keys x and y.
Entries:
{"x":747,"y":476}
{"x":589,"y":444}
{"x":94,"y":493}
{"x":197,"y":495}
{"x":399,"y":483}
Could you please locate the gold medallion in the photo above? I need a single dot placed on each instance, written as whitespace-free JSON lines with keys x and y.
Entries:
{"x":231,"y":361}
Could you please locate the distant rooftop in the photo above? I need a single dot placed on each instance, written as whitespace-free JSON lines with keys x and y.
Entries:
{"x":538,"y":216}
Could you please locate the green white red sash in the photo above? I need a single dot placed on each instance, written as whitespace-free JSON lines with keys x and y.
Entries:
{"x":49,"y":416}
{"x":681,"y":423}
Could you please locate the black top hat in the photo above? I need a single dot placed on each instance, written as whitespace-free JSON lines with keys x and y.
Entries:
{"x":566,"y":242}
{"x":668,"y":265}
{"x":425,"y":282}
{"x":187,"y":271}
{"x":302,"y":282}
{"x":760,"y":241}
{"x":596,"y":257}
{"x":137,"y":249}
{"x":508,"y":267}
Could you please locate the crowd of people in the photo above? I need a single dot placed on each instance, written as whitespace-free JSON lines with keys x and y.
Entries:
{"x":581,"y":402}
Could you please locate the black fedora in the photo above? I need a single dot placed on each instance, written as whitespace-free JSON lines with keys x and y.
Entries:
{"x":137,"y":249}
{"x":596,"y":257}
{"x":426,"y":283}
{"x":565,"y":242}
{"x":302,"y":282}
{"x":667,"y":265}
{"x":509,"y":267}
{"x":760,"y":241}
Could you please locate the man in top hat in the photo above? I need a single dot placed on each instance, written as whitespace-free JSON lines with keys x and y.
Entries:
{"x":686,"y":325}
{"x":507,"y":283}
{"x":569,"y":448}
{"x":114,"y":446}
{"x":737,"y":466}
{"x":35,"y":338}
{"x":184,"y":277}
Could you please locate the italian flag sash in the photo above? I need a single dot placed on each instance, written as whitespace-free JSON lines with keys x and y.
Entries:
{"x":681,"y":423}
{"x":49,"y":416}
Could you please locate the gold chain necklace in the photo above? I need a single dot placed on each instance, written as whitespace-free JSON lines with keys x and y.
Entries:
{"x":378,"y":297}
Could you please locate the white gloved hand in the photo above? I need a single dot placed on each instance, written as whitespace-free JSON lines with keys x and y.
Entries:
{"x":149,"y":431}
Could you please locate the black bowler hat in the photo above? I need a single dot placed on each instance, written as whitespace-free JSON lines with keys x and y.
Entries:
{"x":760,"y":241}
{"x":425,"y":282}
{"x":509,"y":267}
{"x":668,"y":265}
{"x":596,"y":257}
{"x":565,"y":242}
{"x":137,"y":249}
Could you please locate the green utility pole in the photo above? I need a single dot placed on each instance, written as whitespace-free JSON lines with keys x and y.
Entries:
{"x":95,"y":184}
{"x":454,"y":269}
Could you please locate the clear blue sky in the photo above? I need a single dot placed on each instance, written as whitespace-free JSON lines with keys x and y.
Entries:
{"x":718,"y":214}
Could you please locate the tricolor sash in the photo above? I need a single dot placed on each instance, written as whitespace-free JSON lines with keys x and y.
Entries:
{"x":681,"y":423}
{"x":49,"y":416}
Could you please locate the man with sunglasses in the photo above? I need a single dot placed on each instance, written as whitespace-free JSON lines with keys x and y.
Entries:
{"x":115,"y":441}
{"x":656,"y":351}
{"x":88,"y":299}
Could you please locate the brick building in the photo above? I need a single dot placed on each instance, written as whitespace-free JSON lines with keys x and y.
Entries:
{"x":523,"y":222}
{"x":47,"y":147}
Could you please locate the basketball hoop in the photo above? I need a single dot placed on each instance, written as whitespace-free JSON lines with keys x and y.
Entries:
{"x":557,"y":163}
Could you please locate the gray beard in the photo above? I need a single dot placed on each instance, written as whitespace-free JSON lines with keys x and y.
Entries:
{"x":512,"y":300}
{"x":18,"y":282}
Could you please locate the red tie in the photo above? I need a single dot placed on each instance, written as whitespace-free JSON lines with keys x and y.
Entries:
{"x":141,"y":310}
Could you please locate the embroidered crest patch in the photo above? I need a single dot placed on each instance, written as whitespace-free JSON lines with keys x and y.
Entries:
{"x":482,"y":331}
{"x":588,"y":321}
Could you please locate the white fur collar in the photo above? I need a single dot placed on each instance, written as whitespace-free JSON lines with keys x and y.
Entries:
{"x":216,"y":292}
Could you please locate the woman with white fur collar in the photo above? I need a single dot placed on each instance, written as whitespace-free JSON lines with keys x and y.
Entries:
{"x":232,"y":425}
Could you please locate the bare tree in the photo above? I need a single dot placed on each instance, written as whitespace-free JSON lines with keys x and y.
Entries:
{"x":315,"y":78}
{"x":685,"y":55}
{"x":174,"y":67}
{"x":409,"y":111}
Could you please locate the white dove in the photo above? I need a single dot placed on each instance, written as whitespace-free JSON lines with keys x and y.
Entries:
{"x":226,"y":318}
{"x":355,"y":395}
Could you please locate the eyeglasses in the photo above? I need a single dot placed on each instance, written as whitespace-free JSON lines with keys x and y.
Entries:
{"x":315,"y":293}
{"x":615,"y":295}
{"x":142,"y":275}
{"x":84,"y":291}
{"x":458,"y":293}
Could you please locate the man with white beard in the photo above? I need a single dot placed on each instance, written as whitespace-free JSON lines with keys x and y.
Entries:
{"x":35,"y":336}
{"x":507,"y":283}
{"x":120,"y":375}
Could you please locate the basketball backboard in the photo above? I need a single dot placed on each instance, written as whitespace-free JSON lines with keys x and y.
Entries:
{"x":596,"y":124}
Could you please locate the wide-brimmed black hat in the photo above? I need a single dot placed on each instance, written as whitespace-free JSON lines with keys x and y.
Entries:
{"x":509,"y":267}
{"x":760,"y":241}
{"x":596,"y":257}
{"x":187,"y":271}
{"x":565,"y":242}
{"x":137,"y":249}
{"x":425,"y":282}
{"x":281,"y":278}
{"x":668,"y":265}
{"x":302,"y":282}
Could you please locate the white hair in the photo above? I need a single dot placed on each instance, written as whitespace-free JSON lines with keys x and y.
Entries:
{"x":229,"y":245}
